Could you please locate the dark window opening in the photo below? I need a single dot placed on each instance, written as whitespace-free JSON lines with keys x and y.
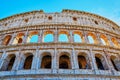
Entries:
{"x":48,"y":65}
{"x":26,"y":20}
{"x":113,"y":28}
{"x":64,"y":62}
{"x":115,"y":67}
{"x":50,"y":18}
{"x":46,"y":62}
{"x":82,"y":62}
{"x":11,"y":62}
{"x":99,"y":64}
{"x":20,"y":40}
{"x":63,"y":65}
{"x":74,"y":19}
{"x":96,"y":22}
{"x":80,"y":66}
{"x":28,"y":62}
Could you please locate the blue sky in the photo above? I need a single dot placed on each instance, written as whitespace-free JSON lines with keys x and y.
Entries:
{"x":107,"y":8}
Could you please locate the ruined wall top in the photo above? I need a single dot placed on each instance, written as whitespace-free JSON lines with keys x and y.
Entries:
{"x":67,"y":17}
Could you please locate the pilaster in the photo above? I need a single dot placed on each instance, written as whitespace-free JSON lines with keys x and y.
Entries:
{"x":71,"y":36}
{"x":17,"y":61}
{"x":25,"y":37}
{"x":40,"y":36}
{"x":2,"y":59}
{"x":56,"y":35}
{"x":85,"y":37}
{"x":75,"y":61}
{"x":35,"y":61}
{"x":92,"y":57}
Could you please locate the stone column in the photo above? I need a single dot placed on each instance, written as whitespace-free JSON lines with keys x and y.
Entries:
{"x":98,"y":38}
{"x":54,"y":61}
{"x":56,"y":35}
{"x":92,"y":58}
{"x":75,"y":61}
{"x":12,"y":39}
{"x":35,"y":61}
{"x":40,"y":36}
{"x":85,"y":37}
{"x":3,"y":58}
{"x":71,"y":36}
{"x":25,"y":37}
{"x":17,"y":61}
{"x":107,"y":58}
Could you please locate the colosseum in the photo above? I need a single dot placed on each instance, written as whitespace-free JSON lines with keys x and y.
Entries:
{"x":69,"y":45}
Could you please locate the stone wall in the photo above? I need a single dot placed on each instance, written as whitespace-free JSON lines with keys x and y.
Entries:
{"x":18,"y":30}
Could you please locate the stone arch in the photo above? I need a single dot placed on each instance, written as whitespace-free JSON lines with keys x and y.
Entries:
{"x":78,"y":36}
{"x":28,"y":61}
{"x":48,"y":36}
{"x":46,"y":60}
{"x":92,"y":38}
{"x":19,"y":38}
{"x":100,"y":62}
{"x":7,"y":39}
{"x":33,"y":37}
{"x":64,"y":61}
{"x":115,"y":42}
{"x":83,"y":61}
{"x":63,"y":36}
{"x":104,"y":39}
{"x":115,"y":62}
{"x":8,"y":63}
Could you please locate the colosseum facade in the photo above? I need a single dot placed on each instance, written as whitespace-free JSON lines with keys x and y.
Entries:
{"x":71,"y":45}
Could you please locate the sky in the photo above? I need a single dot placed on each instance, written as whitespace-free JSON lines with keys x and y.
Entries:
{"x":106,"y":8}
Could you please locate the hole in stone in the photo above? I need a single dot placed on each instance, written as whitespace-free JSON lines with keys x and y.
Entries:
{"x":74,"y":19}
{"x":96,"y":22}
{"x":50,"y":18}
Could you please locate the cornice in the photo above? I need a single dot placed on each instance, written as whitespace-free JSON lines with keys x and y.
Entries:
{"x":63,"y":11}
{"x":58,"y":26}
{"x":88,"y":13}
{"x":58,"y":45}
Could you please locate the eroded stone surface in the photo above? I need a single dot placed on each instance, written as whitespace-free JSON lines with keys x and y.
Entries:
{"x":84,"y":60}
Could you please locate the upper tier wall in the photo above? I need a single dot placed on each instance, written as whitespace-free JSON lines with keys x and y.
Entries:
{"x":67,"y":17}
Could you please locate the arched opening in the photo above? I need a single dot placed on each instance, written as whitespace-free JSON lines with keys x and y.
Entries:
{"x":28,"y":62}
{"x":77,"y":36}
{"x":82,"y":62}
{"x":114,"y":62}
{"x":7,"y":39}
{"x":48,"y":36}
{"x":46,"y":62}
{"x":33,"y":37}
{"x":63,"y":36}
{"x":92,"y":38}
{"x":104,"y":40}
{"x":64,"y":62}
{"x":115,"y":42}
{"x":19,"y":38}
{"x":8,"y":63}
{"x":100,"y":62}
